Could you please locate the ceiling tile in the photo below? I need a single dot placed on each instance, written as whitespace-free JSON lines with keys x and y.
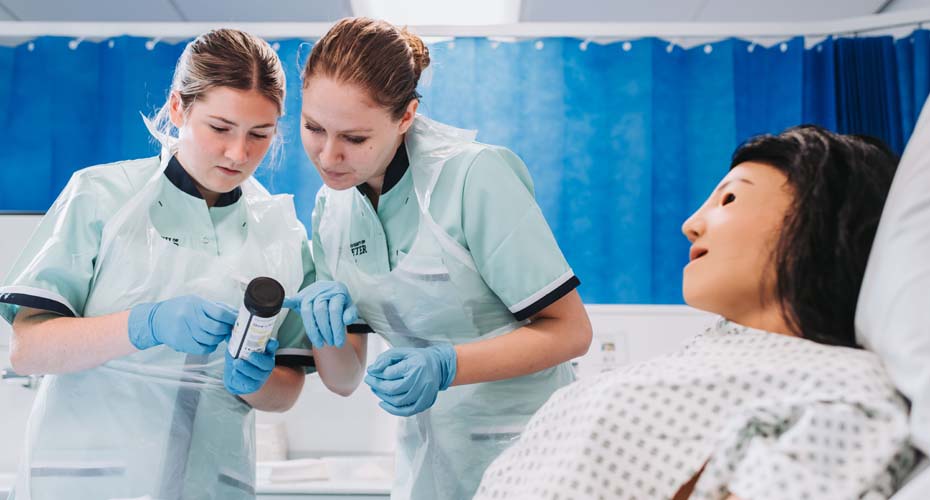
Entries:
{"x":96,"y":10}
{"x":786,"y":10}
{"x":265,"y":11}
{"x":531,"y":10}
{"x":901,"y":5}
{"x":609,"y":11}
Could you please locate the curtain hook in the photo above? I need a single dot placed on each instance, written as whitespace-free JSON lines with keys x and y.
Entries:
{"x":73,"y":44}
{"x":150,"y":45}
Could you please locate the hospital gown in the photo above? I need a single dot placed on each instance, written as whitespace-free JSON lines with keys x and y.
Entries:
{"x":767,"y":416}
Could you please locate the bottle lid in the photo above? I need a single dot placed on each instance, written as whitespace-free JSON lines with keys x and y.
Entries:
{"x":264,"y":297}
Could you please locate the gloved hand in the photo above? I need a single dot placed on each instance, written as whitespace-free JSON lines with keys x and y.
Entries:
{"x":187,"y":324}
{"x":325,"y":308}
{"x":249,"y":374}
{"x":407,"y":379}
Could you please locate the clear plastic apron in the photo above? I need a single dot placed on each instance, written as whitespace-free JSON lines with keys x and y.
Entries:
{"x":158,"y":423}
{"x":436,"y":295}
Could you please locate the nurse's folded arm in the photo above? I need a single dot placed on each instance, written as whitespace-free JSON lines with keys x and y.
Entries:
{"x":325,"y":308}
{"x":342,"y":369}
{"x":558,"y":333}
{"x":187,"y":324}
{"x":280,"y":391}
{"x":47,"y":343}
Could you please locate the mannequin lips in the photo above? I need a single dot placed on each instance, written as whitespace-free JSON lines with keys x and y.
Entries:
{"x":697,"y":253}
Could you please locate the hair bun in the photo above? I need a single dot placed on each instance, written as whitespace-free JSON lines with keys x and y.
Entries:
{"x":418,"y":49}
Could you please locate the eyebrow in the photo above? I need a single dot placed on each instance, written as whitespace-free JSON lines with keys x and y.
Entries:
{"x":740,"y":179}
{"x":234,"y":124}
{"x":349,"y":131}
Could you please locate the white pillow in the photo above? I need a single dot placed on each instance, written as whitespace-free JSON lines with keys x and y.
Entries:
{"x":893,"y":313}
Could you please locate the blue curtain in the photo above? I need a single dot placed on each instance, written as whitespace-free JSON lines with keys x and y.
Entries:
{"x":623,"y":140}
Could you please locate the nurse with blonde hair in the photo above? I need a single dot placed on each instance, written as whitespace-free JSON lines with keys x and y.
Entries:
{"x":127,"y":292}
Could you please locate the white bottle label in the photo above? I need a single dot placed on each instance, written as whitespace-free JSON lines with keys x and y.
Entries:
{"x":250,"y":334}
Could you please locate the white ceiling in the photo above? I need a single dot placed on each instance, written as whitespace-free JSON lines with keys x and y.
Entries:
{"x":175,"y":10}
{"x":530,"y":10}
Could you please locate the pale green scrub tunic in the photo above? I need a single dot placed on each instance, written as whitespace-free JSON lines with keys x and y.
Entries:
{"x":486,"y":202}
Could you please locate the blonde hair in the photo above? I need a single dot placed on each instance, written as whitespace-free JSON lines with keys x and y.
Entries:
{"x":381,"y":58}
{"x":225,"y":58}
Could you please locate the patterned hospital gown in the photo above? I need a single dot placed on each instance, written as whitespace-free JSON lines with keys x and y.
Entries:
{"x":772,"y":416}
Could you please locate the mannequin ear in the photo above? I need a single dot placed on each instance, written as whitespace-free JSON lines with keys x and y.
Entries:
{"x":409,"y":114}
{"x":176,"y":109}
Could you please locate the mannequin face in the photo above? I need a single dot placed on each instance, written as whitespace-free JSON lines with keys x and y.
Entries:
{"x":733,"y":235}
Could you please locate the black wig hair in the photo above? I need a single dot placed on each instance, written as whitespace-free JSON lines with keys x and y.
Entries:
{"x":839,"y":183}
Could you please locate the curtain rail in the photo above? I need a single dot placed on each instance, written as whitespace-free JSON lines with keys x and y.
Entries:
{"x":272,"y":30}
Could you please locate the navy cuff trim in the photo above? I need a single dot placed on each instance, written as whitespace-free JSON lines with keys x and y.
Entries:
{"x":548,"y":299}
{"x":294,"y":360}
{"x":24,"y":300}
{"x":359,"y":328}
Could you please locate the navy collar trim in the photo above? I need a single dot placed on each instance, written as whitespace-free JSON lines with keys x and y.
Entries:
{"x":394,"y":173}
{"x":182,"y":180}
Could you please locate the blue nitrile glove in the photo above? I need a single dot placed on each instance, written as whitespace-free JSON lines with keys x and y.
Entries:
{"x":187,"y":324}
{"x":407,"y":379}
{"x":249,"y":374}
{"x":326,"y":308}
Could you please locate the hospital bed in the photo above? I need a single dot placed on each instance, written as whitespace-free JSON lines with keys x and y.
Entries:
{"x":893,"y":314}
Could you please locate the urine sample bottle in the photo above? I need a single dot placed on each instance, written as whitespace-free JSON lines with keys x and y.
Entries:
{"x":255,"y":323}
